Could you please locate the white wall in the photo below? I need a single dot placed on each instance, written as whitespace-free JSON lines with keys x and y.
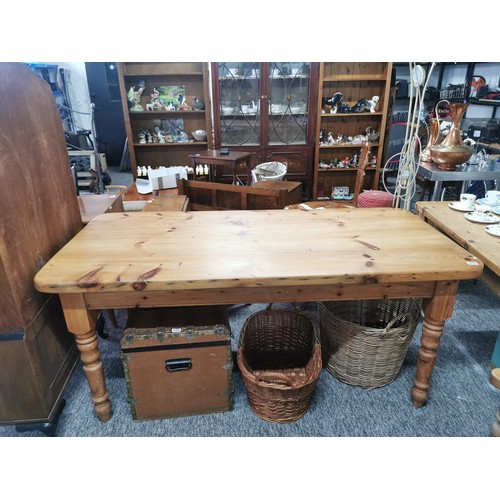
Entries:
{"x":78,"y":93}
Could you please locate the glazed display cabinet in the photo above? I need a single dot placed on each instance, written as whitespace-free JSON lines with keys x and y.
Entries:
{"x":269,"y":110}
{"x":343,"y":120}
{"x":171,"y":102}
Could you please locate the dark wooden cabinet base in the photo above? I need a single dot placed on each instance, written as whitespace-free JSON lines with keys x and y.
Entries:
{"x":35,"y":366}
{"x":40,"y":214}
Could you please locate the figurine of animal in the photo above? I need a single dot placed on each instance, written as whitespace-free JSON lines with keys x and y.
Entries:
{"x":134,"y":96}
{"x":365,"y":104}
{"x":183,"y":104}
{"x":155,"y":104}
{"x":329,"y":104}
{"x":197,"y":104}
{"x":343,"y":108}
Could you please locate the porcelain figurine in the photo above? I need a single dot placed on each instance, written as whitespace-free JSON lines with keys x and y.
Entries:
{"x":343,"y":108}
{"x":159,"y":135}
{"x":371,"y":135}
{"x":372,"y":103}
{"x":182,"y":136}
{"x":184,"y":105}
{"x":155,"y":103}
{"x":330,"y":139}
{"x":134,"y":96}
{"x":330,"y":104}
{"x":197,"y":104}
{"x":141,"y":136}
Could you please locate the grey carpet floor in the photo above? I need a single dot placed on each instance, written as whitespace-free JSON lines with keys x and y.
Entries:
{"x":461,"y":402}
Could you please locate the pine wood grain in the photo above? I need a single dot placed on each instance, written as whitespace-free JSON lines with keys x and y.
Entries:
{"x":148,"y":259}
{"x":232,"y":249}
{"x":469,"y":235}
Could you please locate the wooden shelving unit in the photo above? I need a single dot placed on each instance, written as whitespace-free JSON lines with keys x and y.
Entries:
{"x":193,"y":76}
{"x":355,"y":81}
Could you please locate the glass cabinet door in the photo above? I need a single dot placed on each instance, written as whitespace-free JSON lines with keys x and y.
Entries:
{"x":288,"y":101}
{"x":239,"y":101}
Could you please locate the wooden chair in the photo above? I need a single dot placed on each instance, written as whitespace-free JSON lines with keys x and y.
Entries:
{"x":373,"y":198}
{"x":218,"y":196}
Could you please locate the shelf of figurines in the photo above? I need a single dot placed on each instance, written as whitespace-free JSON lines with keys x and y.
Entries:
{"x":343,"y":115}
{"x":170,"y":133}
{"x":170,"y":144}
{"x":327,"y":139}
{"x":333,"y":106}
{"x":165,"y":98}
{"x":348,"y":163}
{"x":158,"y":112}
{"x":345,"y":145}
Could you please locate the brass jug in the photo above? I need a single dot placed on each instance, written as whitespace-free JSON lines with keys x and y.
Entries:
{"x":452,"y":151}
{"x":425,"y":155}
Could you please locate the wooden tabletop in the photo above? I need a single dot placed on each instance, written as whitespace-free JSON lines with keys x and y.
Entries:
{"x":469,"y":235}
{"x":230,"y":249}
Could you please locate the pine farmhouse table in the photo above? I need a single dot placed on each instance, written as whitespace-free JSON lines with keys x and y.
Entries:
{"x":159,"y":259}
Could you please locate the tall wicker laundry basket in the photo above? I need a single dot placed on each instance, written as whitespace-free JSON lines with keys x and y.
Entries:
{"x":279,"y":356}
{"x":365,"y":342}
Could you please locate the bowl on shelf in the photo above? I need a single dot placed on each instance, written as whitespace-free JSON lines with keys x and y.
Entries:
{"x":199,"y":135}
{"x":226,"y":110}
{"x":295,"y":110}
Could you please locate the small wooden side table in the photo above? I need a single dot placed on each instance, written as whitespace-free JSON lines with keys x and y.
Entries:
{"x":213,"y":158}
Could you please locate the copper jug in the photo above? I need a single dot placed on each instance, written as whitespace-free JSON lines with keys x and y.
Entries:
{"x":425,"y":155}
{"x":452,"y":151}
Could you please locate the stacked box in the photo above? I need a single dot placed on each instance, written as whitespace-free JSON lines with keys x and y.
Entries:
{"x":178,"y":361}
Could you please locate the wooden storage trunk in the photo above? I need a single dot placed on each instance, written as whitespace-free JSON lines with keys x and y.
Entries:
{"x":178,"y":361}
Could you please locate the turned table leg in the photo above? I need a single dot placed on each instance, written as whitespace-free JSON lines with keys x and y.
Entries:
{"x":81,"y":323}
{"x":436,"y":311}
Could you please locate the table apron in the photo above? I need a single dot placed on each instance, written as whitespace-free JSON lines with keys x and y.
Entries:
{"x":254,"y":295}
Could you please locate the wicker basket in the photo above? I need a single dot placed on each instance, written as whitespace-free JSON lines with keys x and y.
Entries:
{"x":279,"y":356}
{"x":271,"y":171}
{"x":364,"y":342}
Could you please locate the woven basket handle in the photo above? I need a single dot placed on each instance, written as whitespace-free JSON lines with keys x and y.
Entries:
{"x":395,"y":320}
{"x":275,"y":378}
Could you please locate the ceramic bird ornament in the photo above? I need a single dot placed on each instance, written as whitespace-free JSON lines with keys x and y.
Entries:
{"x":197,"y":104}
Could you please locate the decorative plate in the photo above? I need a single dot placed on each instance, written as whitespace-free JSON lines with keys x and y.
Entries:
{"x":493,"y":229}
{"x":496,"y":210}
{"x":482,"y":218}
{"x":461,"y":207}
